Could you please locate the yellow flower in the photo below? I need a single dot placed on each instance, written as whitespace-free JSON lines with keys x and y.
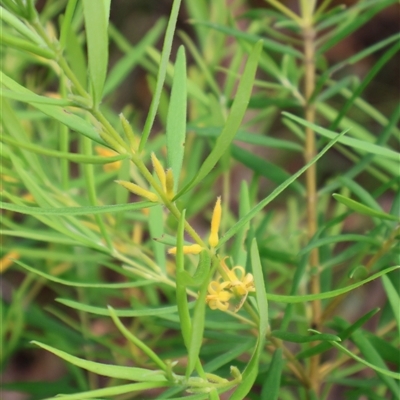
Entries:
{"x":215,"y":223}
{"x":239,"y":283}
{"x":158,"y":168}
{"x":190,"y":249}
{"x":243,"y":283}
{"x":132,"y":187}
{"x":218,"y":297}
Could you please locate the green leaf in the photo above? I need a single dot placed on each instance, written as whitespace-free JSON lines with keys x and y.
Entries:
{"x":25,"y":46}
{"x":125,"y":65}
{"x":233,"y":121}
{"x":230,"y":355}
{"x":297,"y":338}
{"x":96,"y":25}
{"x":349,"y":25}
{"x":337,"y":239}
{"x":364,"y":53}
{"x":111,"y":371}
{"x":380,"y":370}
{"x":394,"y":299}
{"x":78,"y":158}
{"x":44,"y":237}
{"x":142,"y":346}
{"x":120,"y":313}
{"x":343,"y":335}
{"x":66,"y":22}
{"x":362,"y":209}
{"x":72,"y":121}
{"x":66,"y":211}
{"x":327,"y":295}
{"x":20,"y":27}
{"x":169,"y":240}
{"x":272,"y":382}
{"x":197,"y":329}
{"x":248,"y":137}
{"x":176,"y":119}
{"x":264,"y":168}
{"x":251,"y":371}
{"x":378,"y":65}
{"x":267,"y":44}
{"x":239,"y":250}
{"x":181,"y":295}
{"x":156,"y":225}
{"x":34,"y":98}
{"x":202,"y":270}
{"x":75,"y":54}
{"x":243,"y":221}
{"x":261,"y":295}
{"x":355,"y":143}
{"x":100,"y":285}
{"x":166,"y":51}
{"x":374,"y":361}
{"x":111,"y":391}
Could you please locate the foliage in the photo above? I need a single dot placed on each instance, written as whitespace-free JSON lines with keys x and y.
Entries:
{"x":104,"y":210}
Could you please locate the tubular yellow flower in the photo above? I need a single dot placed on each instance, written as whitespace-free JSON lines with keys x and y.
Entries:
{"x":215,"y":222}
{"x":169,"y":184}
{"x":158,"y":168}
{"x":241,"y":282}
{"x":191,"y":249}
{"x":138,"y":190}
{"x":218,"y":297}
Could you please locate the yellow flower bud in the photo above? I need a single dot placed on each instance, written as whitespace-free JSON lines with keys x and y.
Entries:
{"x":138,"y":190}
{"x":158,"y":168}
{"x":191,"y":249}
{"x":215,"y":222}
{"x":169,"y":183}
{"x":113,"y":166}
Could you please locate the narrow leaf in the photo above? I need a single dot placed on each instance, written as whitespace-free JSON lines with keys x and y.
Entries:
{"x":243,"y":221}
{"x":251,"y":371}
{"x":181,"y":295}
{"x":297,"y":338}
{"x":100,"y":285}
{"x":355,"y":143}
{"x":96,"y":25}
{"x":112,"y":391}
{"x":111,"y":371}
{"x":233,"y":121}
{"x":319,"y":348}
{"x":176,"y":119}
{"x":120,"y":313}
{"x":394,"y":299}
{"x":166,"y":51}
{"x":124,"y":66}
{"x":272,"y":383}
{"x":380,"y":370}
{"x":65,"y":211}
{"x":362,"y":209}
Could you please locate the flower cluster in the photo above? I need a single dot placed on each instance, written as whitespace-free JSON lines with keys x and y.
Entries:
{"x":237,"y":285}
{"x":232,"y":284}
